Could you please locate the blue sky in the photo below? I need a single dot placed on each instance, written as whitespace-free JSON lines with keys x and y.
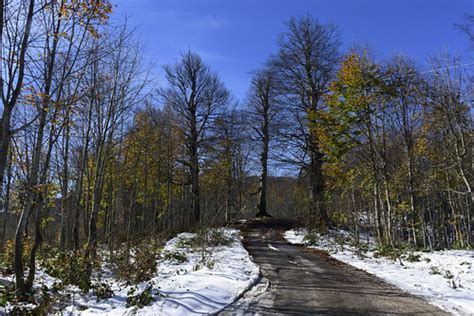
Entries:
{"x":236,"y":36}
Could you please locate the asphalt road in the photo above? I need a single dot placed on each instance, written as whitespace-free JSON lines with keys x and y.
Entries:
{"x":301,"y":281}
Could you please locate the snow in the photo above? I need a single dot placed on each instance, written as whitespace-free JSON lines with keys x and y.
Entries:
{"x":184,"y":288}
{"x":272,"y":247}
{"x":444,"y":278}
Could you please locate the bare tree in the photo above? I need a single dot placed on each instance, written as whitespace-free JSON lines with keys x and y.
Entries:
{"x":263,"y":106}
{"x":196,"y":94}
{"x":16,"y":20}
{"x":48,"y":78}
{"x":305,"y":64}
{"x":451,"y":112}
{"x":113,"y":91}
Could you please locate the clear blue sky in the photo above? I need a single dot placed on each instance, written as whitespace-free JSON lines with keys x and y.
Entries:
{"x":236,"y":36}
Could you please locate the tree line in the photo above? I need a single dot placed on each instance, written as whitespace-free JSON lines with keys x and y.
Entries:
{"x":94,"y":154}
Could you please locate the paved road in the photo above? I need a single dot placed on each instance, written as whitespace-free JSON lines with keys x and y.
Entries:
{"x":300,"y":281}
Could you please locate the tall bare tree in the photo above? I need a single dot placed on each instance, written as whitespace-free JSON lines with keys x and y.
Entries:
{"x":305,"y":64}
{"x":196,"y":94}
{"x":263,"y":105}
{"x":16,"y":20}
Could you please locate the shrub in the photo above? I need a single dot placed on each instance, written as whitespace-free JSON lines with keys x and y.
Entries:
{"x":7,"y":293}
{"x":8,"y":252}
{"x":413,"y":257}
{"x":448,"y":275}
{"x":210,"y":264}
{"x":388,"y":252}
{"x":311,"y":237}
{"x":339,"y":218}
{"x":137,"y":266}
{"x":102,"y":291}
{"x":217,"y":237}
{"x":142,"y":299}
{"x":175,"y":256}
{"x":210,"y":237}
{"x":362,"y":247}
{"x":38,"y":301}
{"x":435,"y":270}
{"x":340,"y":241}
{"x":70,"y":267}
{"x":185,"y":243}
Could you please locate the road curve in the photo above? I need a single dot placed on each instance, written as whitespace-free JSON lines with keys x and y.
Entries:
{"x":301,"y":281}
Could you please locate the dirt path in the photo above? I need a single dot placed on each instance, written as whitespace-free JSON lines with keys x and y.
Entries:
{"x":299,"y":281}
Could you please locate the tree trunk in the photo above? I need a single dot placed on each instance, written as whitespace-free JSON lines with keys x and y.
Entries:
{"x":65,"y":185}
{"x":29,"y":205}
{"x":319,"y":218}
{"x":194,"y":166}
{"x":262,"y":201}
{"x":6,"y":205}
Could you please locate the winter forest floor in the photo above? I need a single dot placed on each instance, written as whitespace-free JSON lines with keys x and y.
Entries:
{"x":188,"y":280}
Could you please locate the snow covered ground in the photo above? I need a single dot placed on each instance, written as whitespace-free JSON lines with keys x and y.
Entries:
{"x":444,"y":278}
{"x":179,"y":288}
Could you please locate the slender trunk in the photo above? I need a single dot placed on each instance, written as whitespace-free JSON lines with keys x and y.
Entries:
{"x":373,"y":160}
{"x":80,"y":184}
{"x":355,"y":218}
{"x":36,"y":244}
{"x":5,"y":138}
{"x":65,"y":184}
{"x":29,"y":205}
{"x":319,"y":216}
{"x":194,"y":166}
{"x":262,"y":202}
{"x":6,"y":205}
{"x":38,"y":208}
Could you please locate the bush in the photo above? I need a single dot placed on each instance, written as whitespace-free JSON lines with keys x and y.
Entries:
{"x":102,"y":291}
{"x":38,"y":301}
{"x":210,"y":264}
{"x":175,"y":256}
{"x":311,"y":237}
{"x":70,"y":267}
{"x":217,"y":237}
{"x":210,"y":237}
{"x":388,"y":252}
{"x":142,"y":299}
{"x":339,"y":218}
{"x":448,"y":275}
{"x":435,"y":270}
{"x":7,"y":293}
{"x":413,"y":257}
{"x":203,"y":241}
{"x":137,"y":266}
{"x":8,"y":252}
{"x":362,"y":247}
{"x":340,"y":241}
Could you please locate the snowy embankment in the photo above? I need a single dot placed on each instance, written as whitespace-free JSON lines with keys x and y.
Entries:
{"x":444,"y":278}
{"x":184,"y":283}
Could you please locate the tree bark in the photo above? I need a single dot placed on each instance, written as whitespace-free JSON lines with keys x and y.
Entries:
{"x":262,"y":200}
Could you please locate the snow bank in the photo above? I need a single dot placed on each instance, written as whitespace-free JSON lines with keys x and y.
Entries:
{"x":444,"y":278}
{"x":188,"y":287}
{"x":179,"y":288}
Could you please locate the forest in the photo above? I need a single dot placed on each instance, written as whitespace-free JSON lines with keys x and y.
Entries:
{"x":98,"y":160}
